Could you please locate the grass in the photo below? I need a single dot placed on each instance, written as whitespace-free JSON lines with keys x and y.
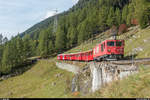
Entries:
{"x":134,"y":86}
{"x":137,"y":41}
{"x":37,"y":83}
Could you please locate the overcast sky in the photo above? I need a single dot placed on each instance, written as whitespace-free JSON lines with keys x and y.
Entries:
{"x":19,"y":15}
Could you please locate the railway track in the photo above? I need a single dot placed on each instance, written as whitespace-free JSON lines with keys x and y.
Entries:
{"x":130,"y":61}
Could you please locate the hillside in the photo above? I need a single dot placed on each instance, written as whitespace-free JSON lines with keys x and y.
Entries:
{"x":49,"y":85}
{"x":37,"y":83}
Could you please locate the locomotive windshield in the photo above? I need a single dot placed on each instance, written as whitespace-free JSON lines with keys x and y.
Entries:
{"x":112,"y":43}
{"x":118,"y":43}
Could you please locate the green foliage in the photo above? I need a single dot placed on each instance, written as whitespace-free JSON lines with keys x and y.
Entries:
{"x":27,"y":46}
{"x":72,"y":36}
{"x":143,"y":21}
{"x":15,"y":52}
{"x":145,"y":18}
{"x":45,"y":46}
{"x":125,"y":14}
{"x":142,"y":8}
{"x":111,"y":17}
{"x":6,"y":60}
{"x":103,"y":13}
{"x":118,"y":16}
{"x":60,"y":39}
{"x":43,"y":43}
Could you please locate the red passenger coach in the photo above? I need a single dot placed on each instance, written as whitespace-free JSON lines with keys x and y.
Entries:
{"x":84,"y":56}
{"x":87,"y":56}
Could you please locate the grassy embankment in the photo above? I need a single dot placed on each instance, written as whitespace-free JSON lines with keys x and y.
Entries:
{"x":38,"y":82}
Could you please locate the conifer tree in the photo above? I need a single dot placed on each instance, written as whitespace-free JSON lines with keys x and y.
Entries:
{"x":82,"y":33}
{"x":27,"y":49}
{"x":50,"y":47}
{"x":73,"y":36}
{"x":19,"y":52}
{"x":124,"y":14}
{"x":111,"y":17}
{"x":43,"y":43}
{"x":118,"y":16}
{"x":5,"y":40}
{"x":60,"y":42}
{"x":103,"y":14}
{"x":1,"y":39}
{"x":143,"y":20}
{"x":6,"y":61}
{"x":130,"y":15}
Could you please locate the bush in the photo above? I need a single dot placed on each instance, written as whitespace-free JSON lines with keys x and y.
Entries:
{"x":122,"y":28}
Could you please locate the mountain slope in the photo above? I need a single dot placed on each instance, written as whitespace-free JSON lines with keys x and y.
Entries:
{"x":40,"y":81}
{"x":34,"y":31}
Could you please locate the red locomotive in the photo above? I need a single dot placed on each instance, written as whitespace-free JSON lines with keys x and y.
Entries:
{"x":106,"y":50}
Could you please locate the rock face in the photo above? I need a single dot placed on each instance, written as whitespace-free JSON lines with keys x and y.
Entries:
{"x":68,"y":67}
{"x":96,"y":74}
{"x":103,"y":73}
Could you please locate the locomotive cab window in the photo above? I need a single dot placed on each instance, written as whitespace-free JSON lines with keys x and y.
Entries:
{"x":111,"y":43}
{"x":118,"y":43}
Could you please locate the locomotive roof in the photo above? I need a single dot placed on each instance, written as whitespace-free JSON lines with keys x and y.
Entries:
{"x":110,"y":40}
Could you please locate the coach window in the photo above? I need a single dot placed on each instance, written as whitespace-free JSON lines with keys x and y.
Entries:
{"x":97,"y":50}
{"x":111,"y":43}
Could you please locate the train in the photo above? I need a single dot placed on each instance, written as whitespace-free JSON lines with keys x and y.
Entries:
{"x":106,"y":50}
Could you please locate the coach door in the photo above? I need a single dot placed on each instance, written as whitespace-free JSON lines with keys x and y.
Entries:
{"x":103,"y":47}
{"x":63,"y":57}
